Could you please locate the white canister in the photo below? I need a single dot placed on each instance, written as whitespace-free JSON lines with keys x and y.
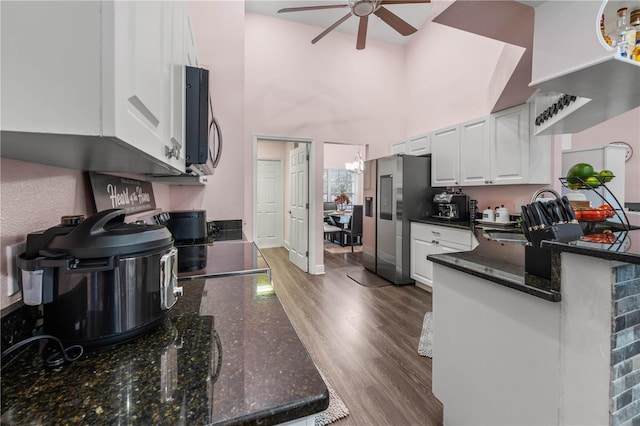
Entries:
{"x":488,"y":215}
{"x":502,"y":214}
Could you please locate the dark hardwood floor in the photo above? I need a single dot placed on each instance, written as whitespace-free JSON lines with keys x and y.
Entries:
{"x":363,"y":339}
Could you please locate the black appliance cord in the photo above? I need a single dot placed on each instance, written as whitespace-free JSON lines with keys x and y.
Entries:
{"x":51,"y":360}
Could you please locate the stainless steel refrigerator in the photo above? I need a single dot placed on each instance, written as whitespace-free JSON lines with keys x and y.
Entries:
{"x":396,"y":190}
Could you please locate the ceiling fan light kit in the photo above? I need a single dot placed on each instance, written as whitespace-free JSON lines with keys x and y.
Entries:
{"x":362,"y":9}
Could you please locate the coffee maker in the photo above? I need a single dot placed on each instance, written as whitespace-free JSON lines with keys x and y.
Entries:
{"x":451,"y":206}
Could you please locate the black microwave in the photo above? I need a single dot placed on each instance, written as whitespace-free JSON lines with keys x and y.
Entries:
{"x":203,"y":137}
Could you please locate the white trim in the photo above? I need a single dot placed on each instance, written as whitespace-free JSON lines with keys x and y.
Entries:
{"x":314,"y":223}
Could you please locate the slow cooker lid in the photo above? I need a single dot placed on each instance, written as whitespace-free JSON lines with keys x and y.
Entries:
{"x":106,"y":234}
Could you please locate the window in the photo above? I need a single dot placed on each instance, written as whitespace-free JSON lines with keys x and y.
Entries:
{"x":337,"y":181}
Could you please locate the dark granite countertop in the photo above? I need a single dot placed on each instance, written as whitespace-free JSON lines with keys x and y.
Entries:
{"x":504,"y":263}
{"x":624,"y":248}
{"x":501,"y":263}
{"x":224,"y":258}
{"x":260,"y":373}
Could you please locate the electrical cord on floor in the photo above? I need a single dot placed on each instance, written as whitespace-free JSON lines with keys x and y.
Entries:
{"x":52,"y":360}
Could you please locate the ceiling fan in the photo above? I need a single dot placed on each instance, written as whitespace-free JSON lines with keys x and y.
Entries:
{"x":362,"y":9}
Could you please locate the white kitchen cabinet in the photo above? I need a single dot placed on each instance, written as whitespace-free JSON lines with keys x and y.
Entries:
{"x":475,"y":152}
{"x":190,"y":40}
{"x":498,"y":149}
{"x":579,"y":62}
{"x":94,"y":85}
{"x":510,"y":146}
{"x":398,"y":148}
{"x":445,"y":157}
{"x":419,"y":145}
{"x":427,"y":239}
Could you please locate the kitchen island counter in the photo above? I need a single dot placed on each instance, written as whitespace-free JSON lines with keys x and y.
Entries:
{"x":570,"y":362}
{"x":225,"y":354}
{"x":500,"y":263}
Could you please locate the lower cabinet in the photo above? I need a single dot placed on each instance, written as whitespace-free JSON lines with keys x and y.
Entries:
{"x":427,"y":239}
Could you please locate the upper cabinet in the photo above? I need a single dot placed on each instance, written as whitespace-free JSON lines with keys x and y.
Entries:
{"x":445,"y":157}
{"x":495,"y":150}
{"x":570,"y":56}
{"x":95,"y":85}
{"x":417,"y":145}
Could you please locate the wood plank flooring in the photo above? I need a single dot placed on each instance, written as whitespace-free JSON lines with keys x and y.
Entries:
{"x":364,"y":339}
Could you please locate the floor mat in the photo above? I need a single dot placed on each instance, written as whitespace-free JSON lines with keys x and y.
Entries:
{"x":368,"y":279}
{"x":336,"y":249}
{"x":425,"y":346}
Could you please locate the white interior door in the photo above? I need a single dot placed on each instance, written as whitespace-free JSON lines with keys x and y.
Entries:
{"x":299,"y":208}
{"x":269,"y":204}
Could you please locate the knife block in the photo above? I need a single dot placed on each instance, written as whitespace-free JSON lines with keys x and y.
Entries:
{"x":537,"y":261}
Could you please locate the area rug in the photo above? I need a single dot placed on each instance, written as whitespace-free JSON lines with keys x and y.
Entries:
{"x":336,"y":249}
{"x":425,"y":345}
{"x":336,"y":409}
{"x":367,"y":279}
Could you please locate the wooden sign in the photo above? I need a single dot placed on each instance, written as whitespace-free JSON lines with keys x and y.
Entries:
{"x":114,"y":192}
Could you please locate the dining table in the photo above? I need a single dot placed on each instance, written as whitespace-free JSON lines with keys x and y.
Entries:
{"x":341,"y":219}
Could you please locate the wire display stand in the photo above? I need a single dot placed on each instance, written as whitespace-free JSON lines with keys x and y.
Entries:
{"x":590,"y":227}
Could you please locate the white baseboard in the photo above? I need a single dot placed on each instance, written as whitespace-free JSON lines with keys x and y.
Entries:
{"x":424,"y":287}
{"x":316,"y":270}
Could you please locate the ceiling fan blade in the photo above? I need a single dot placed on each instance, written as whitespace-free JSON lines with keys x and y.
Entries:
{"x":404,"y":1}
{"x":362,"y":32}
{"x":331,"y":28}
{"x":300,"y":9}
{"x":395,"y":22}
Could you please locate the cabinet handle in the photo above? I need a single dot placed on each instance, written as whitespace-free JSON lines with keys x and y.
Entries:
{"x":490,"y":181}
{"x":173,"y":151}
{"x":435,"y":232}
{"x":486,"y":181}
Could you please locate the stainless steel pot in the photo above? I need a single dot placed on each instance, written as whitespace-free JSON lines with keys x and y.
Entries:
{"x":101,"y":281}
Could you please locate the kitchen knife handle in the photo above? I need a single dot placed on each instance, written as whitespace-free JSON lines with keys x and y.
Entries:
{"x":568,"y":208}
{"x":541,"y":213}
{"x":528,"y":212}
{"x":525,"y":225}
{"x":561,"y":210}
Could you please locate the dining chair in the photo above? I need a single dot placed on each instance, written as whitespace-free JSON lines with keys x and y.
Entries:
{"x":355,"y":226}
{"x":331,"y":228}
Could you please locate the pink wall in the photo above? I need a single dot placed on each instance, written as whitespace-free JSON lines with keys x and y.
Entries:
{"x":34,"y":197}
{"x":625,"y":127}
{"x":449,"y":78}
{"x":219,"y":31}
{"x":328,"y":91}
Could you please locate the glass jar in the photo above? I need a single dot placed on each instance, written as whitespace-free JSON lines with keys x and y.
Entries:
{"x":622,"y":28}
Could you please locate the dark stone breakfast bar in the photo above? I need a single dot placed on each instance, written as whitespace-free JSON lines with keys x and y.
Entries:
{"x":225,"y":354}
{"x":557,"y":350}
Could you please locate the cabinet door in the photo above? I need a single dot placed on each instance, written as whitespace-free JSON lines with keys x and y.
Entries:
{"x":445,"y":156}
{"x":142,"y":79}
{"x":419,"y":145}
{"x":176,"y":68}
{"x":475,"y":152}
{"x":398,"y":148}
{"x":421,"y":268}
{"x":190,"y":43}
{"x":510,"y":145}
{"x":451,"y":247}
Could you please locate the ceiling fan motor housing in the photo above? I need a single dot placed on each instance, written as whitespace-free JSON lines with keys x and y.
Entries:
{"x":363,"y":7}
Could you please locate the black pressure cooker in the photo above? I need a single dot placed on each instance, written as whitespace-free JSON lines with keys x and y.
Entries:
{"x":101,"y":281}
